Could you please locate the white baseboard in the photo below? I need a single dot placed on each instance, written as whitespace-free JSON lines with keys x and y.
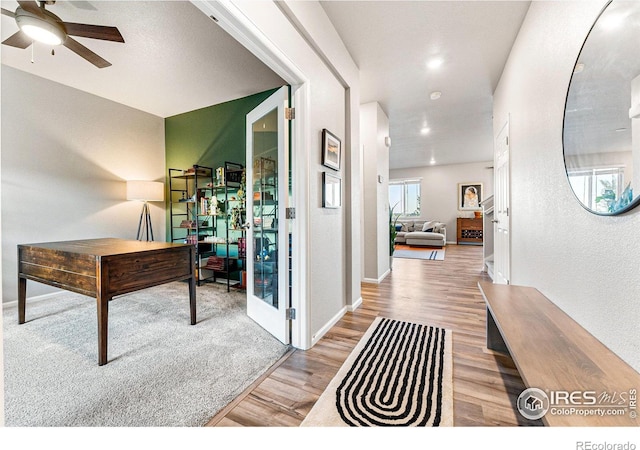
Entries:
{"x":37,"y":298}
{"x":355,"y":305}
{"x":327,"y":326}
{"x":379,"y":280}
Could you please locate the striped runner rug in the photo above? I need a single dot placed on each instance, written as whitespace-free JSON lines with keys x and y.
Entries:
{"x":399,"y":374}
{"x":433,"y":255}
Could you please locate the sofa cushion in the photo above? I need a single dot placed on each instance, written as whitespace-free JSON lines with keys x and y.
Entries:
{"x":439,"y":227}
{"x":429,"y":226}
{"x":423,"y":235}
{"x":425,"y":239}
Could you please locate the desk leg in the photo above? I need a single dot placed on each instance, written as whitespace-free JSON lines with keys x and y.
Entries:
{"x":495,"y":341}
{"x":102,"y":302}
{"x":192,"y":299}
{"x":22,"y":299}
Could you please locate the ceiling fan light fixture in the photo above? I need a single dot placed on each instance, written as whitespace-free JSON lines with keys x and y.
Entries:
{"x":49,"y":32}
{"x":43,"y":35}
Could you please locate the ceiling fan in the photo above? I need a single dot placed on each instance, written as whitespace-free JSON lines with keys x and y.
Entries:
{"x":38,"y":24}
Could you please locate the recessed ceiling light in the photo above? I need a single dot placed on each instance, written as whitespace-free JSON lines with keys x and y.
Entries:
{"x":435,"y":95}
{"x":579,"y":68}
{"x":434,"y":63}
{"x":425,"y":130}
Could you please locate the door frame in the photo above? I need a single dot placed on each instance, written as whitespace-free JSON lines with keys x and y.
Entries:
{"x":500,"y":216}
{"x":236,"y":24}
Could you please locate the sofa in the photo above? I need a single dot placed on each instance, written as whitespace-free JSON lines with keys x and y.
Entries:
{"x":421,"y":233}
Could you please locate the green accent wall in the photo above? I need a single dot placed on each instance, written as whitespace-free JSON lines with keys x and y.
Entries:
{"x":209,"y":136}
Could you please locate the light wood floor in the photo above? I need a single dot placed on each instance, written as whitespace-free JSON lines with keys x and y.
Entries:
{"x":440,"y":293}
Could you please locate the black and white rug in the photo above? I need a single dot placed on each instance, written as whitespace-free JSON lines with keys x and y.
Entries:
{"x":399,"y":374}
{"x":428,"y":254}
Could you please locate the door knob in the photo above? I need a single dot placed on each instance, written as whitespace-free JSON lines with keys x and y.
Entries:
{"x":495,"y":221}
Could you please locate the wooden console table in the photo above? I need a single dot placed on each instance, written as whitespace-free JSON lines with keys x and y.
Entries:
{"x":470,"y":231}
{"x":104,"y":268}
{"x":555,"y":354}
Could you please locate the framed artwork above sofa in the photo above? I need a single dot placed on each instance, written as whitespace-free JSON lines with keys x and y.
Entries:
{"x":469,"y":196}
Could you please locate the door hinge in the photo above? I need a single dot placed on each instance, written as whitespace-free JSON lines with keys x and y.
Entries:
{"x":291,"y":313}
{"x":291,"y":213}
{"x":289,"y":113}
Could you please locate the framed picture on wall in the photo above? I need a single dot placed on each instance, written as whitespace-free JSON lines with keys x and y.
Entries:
{"x":331,"y":191}
{"x":469,"y":196}
{"x":331,"y":150}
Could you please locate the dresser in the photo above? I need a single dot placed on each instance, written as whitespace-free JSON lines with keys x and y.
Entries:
{"x":469,"y":231}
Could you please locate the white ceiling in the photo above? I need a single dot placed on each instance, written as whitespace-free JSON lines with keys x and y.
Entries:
{"x":392,"y":41}
{"x":175,"y":59}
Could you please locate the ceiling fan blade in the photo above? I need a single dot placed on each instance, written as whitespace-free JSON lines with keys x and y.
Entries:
{"x":93,"y":31}
{"x":31,"y":7}
{"x":85,"y":53}
{"x":18,"y":40}
{"x":6,"y":12}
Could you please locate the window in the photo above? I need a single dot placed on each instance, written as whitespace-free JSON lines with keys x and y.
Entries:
{"x":597,"y":188}
{"x":405,"y":194}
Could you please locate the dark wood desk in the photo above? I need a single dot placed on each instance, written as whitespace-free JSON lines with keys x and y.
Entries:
{"x":104,"y":268}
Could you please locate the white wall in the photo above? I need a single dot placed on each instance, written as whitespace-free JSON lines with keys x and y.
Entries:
{"x":301,"y":33}
{"x":586,"y":264}
{"x":65,"y":157}
{"x":635,"y":139}
{"x":439,"y":190}
{"x":374,"y":127}
{"x":1,"y":296}
{"x":316,"y":28}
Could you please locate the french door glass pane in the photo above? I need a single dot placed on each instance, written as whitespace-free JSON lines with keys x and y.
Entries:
{"x":265,"y":208}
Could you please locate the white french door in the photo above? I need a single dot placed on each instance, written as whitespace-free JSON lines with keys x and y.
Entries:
{"x":501,"y":221}
{"x":267,"y":199}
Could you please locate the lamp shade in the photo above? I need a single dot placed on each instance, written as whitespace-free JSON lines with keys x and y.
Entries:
{"x":149,"y":191}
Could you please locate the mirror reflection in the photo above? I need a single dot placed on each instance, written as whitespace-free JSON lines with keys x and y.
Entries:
{"x":602,"y":114}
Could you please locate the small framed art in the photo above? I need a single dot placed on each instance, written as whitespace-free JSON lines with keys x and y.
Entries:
{"x":469,"y":196}
{"x":331,"y":150}
{"x":331,"y":191}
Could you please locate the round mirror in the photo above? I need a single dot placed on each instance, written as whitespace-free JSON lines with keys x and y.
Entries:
{"x":601,"y":134}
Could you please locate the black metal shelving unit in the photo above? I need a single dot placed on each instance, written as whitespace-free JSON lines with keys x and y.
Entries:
{"x":228,"y":261}
{"x":190,"y":194}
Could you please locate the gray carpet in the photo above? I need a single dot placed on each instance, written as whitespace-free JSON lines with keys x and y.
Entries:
{"x":161,"y":370}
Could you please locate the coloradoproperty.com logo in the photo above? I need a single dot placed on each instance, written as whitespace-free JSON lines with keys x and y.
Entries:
{"x":534,"y":403}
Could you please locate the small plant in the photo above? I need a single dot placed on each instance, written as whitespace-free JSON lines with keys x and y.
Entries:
{"x":392,"y":229}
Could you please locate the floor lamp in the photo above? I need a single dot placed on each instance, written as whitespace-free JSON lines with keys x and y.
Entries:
{"x":145,"y":191}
